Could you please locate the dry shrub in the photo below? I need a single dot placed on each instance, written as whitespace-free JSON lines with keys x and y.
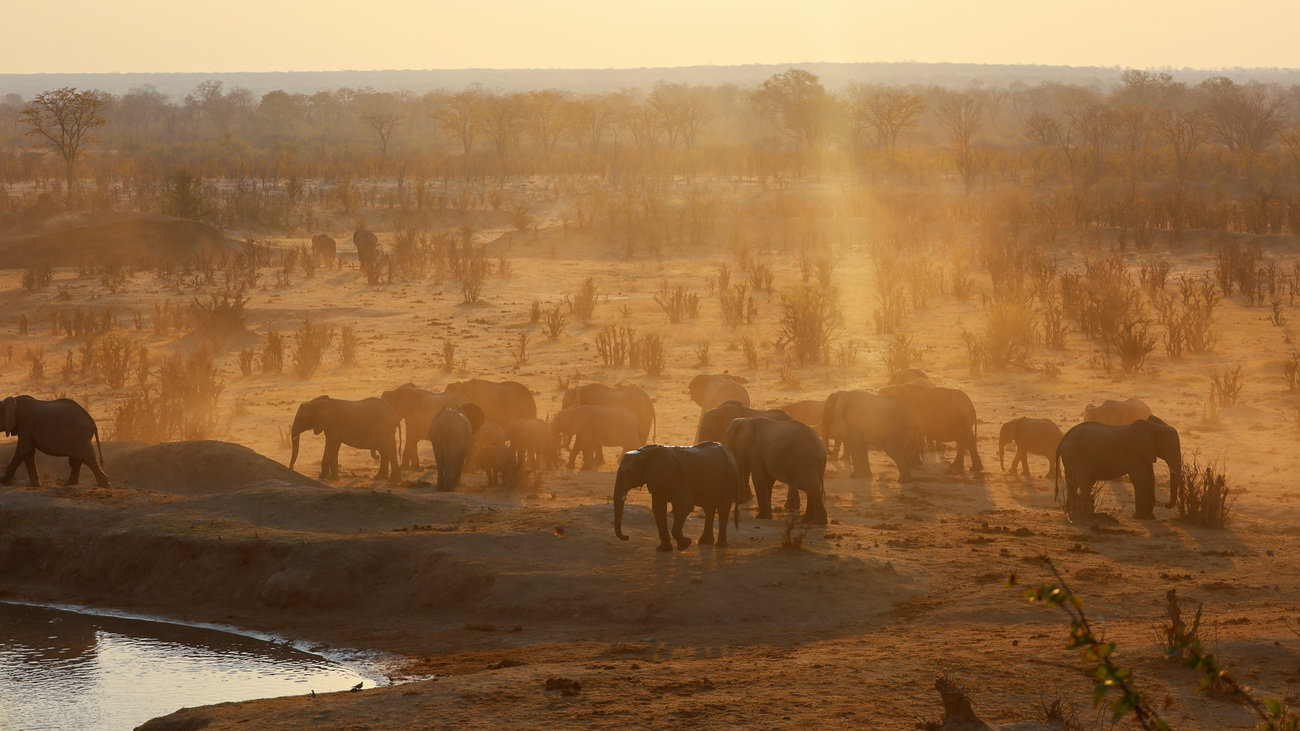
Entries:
{"x":1205,"y":498}
{"x":472,"y":270}
{"x":846,"y":354}
{"x":738,"y":306}
{"x":535,"y":312}
{"x":900,"y":353}
{"x":761,"y":276}
{"x":649,"y":354}
{"x":810,"y":317}
{"x":310,"y":344}
{"x":1134,"y":344}
{"x":924,"y":280}
{"x":520,"y":351}
{"x":114,"y":354}
{"x":614,"y":344}
{"x":702,"y":355}
{"x":36,"y":364}
{"x":38,"y":277}
{"x":1009,"y":336}
{"x":447,"y":357}
{"x":962,"y":281}
{"x":221,"y":315}
{"x":678,"y":303}
{"x":793,"y":533}
{"x":1226,"y":385}
{"x":891,"y":306}
{"x":272,"y":355}
{"x":583,"y":302}
{"x":348,"y":345}
{"x":1291,"y":372}
{"x":245,"y":358}
{"x":750,"y":350}
{"x":553,"y":321}
{"x":182,"y":405}
{"x":1153,"y":274}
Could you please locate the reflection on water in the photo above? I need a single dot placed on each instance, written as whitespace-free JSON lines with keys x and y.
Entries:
{"x":64,"y":670}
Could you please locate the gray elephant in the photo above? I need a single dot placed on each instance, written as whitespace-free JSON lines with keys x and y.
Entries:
{"x":1031,"y":436}
{"x":905,"y":376}
{"x":714,"y":422}
{"x":366,"y":424}
{"x":452,"y":435}
{"x":947,"y":415}
{"x":868,"y":421}
{"x":593,"y":428}
{"x":1092,"y":451}
{"x":60,"y":428}
{"x":417,"y":407}
{"x":1117,"y":413}
{"x":702,"y":476}
{"x":530,"y":441}
{"x":502,"y":402}
{"x":367,"y":243}
{"x":632,"y":397}
{"x":487,"y":437}
{"x":324,"y":248}
{"x":788,"y":451}
{"x":710,"y":390}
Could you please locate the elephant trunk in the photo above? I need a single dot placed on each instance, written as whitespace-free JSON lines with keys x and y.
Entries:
{"x":621,"y":487}
{"x":1002,"y":451}
{"x":1175,"y":478}
{"x":295,"y":432}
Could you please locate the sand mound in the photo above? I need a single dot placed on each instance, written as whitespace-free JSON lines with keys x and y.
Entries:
{"x":197,"y":468}
{"x":64,"y":240}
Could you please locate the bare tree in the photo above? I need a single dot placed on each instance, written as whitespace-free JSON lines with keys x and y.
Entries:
{"x":885,"y":110}
{"x":589,"y":117}
{"x":501,"y":119}
{"x":1246,"y":118}
{"x":66,"y":118}
{"x":544,"y":116}
{"x":799,"y":105}
{"x":382,"y":122}
{"x":1184,"y":130}
{"x":461,"y":116}
{"x":959,"y":114}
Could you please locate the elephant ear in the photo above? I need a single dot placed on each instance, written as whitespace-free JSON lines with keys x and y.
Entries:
{"x":475,"y":414}
{"x":327,"y":412}
{"x":1142,"y":440}
{"x":698,"y":386}
{"x":740,"y":435}
{"x":10,"y":411}
{"x":835,"y":405}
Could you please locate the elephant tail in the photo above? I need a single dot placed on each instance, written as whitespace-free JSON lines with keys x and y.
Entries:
{"x":1056,"y":464}
{"x":99,"y":448}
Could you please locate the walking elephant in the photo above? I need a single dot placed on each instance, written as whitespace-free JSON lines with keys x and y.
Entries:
{"x":502,"y":402}
{"x":786,"y":451}
{"x":418,"y":407}
{"x":367,"y":243}
{"x":812,"y":412}
{"x":324,"y":248}
{"x":1117,"y":413}
{"x":1031,"y":436}
{"x":947,"y":415}
{"x":710,"y":390}
{"x":702,"y":476}
{"x":593,"y":428}
{"x":452,"y":435}
{"x":632,"y":397}
{"x":868,"y":421}
{"x":59,"y":428}
{"x":530,"y":441}
{"x":1091,"y":452}
{"x":366,"y":424}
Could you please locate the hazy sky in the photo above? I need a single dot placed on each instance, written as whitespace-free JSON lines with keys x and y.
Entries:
{"x":293,"y":35}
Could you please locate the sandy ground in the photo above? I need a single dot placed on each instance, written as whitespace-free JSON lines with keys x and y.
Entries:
{"x":479,"y":590}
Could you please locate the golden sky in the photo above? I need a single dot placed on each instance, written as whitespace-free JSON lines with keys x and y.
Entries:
{"x":297,"y":35}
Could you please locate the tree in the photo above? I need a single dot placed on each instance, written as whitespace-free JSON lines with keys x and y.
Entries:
{"x":589,"y":117}
{"x":682,"y":113}
{"x":959,"y":114}
{"x":500,"y":120}
{"x":799,"y":105}
{"x":382,"y":122}
{"x":66,"y":118}
{"x":544,"y":116}
{"x":886,"y":111}
{"x":1184,"y":130}
{"x":461,"y":116}
{"x":1245,"y":118}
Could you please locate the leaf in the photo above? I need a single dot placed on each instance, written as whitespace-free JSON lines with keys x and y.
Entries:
{"x":1274,"y":706}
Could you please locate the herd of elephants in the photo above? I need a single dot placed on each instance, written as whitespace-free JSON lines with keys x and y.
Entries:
{"x":493,"y":427}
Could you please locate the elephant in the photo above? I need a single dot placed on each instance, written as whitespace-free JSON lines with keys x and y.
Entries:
{"x":417,"y":407}
{"x":1032,"y":436}
{"x":714,"y":422}
{"x":1117,"y":413}
{"x":1092,"y":451}
{"x":530,"y":440}
{"x":947,"y":415}
{"x":452,"y":435}
{"x":702,"y":476}
{"x":710,"y":390}
{"x":595,"y":427}
{"x":811,"y":412}
{"x":789,"y":451}
{"x":324,"y":248}
{"x":489,"y":435}
{"x":633,"y":397}
{"x":495,"y":460}
{"x":887,"y":423}
{"x":501,"y":402}
{"x":366,"y":424}
{"x":905,"y":376}
{"x":366,"y":242}
{"x":60,"y":428}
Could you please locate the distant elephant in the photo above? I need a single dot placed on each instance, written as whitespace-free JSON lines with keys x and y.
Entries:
{"x":489,"y":435}
{"x":947,"y":415}
{"x":632,"y":397}
{"x":1092,"y":451}
{"x":811,"y":412}
{"x":417,"y":407}
{"x":592,"y":428}
{"x":530,"y":440}
{"x":366,"y":424}
{"x":366,"y":242}
{"x":324,"y":248}
{"x":910,"y":375}
{"x":501,"y":402}
{"x":868,"y":421}
{"x":452,"y":435}
{"x":60,"y":428}
{"x":1117,"y":413}
{"x":1032,"y":436}
{"x":788,"y":451}
{"x":710,"y":390}
{"x":702,"y":476}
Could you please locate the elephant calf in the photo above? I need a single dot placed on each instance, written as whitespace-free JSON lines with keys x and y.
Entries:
{"x":788,"y":451}
{"x":1091,"y":452}
{"x":59,"y":428}
{"x":530,"y":440}
{"x":702,"y":476}
{"x":1032,"y":436}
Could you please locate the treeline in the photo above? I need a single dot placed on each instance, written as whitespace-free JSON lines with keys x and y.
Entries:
{"x":1138,"y":150}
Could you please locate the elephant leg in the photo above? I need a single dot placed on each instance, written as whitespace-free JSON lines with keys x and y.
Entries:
{"x":1022,"y":458}
{"x":74,"y":473}
{"x":792,"y":500}
{"x":763,"y":490}
{"x":816,"y":513}
{"x":101,"y":479}
{"x":32,"y":475}
{"x":858,"y":457}
{"x":1144,"y":491}
{"x":660,"y":507}
{"x":573,"y":451}
{"x":903,"y":464}
{"x":958,"y":459}
{"x":13,"y":467}
{"x":976,"y":464}
{"x":329,"y":464}
{"x":706,"y":538}
{"x":681,"y":509}
{"x":724,"y":512}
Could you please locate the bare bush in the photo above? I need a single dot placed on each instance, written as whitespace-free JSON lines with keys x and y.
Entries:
{"x":583,"y":302}
{"x":348,"y":345}
{"x":310,"y":344}
{"x":650,"y":354}
{"x":614,"y":345}
{"x":447,"y":356}
{"x":750,"y":350}
{"x":220,"y":315}
{"x":738,"y":306}
{"x":901,"y":353}
{"x":520,"y":351}
{"x":810,"y":318}
{"x":38,"y":277}
{"x":1291,"y":372}
{"x":553,"y":321}
{"x":1226,"y":385}
{"x":272,"y":355}
{"x":1205,"y":498}
{"x":678,"y":303}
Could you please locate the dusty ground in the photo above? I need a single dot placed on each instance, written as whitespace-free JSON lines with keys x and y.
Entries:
{"x":906,"y":582}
